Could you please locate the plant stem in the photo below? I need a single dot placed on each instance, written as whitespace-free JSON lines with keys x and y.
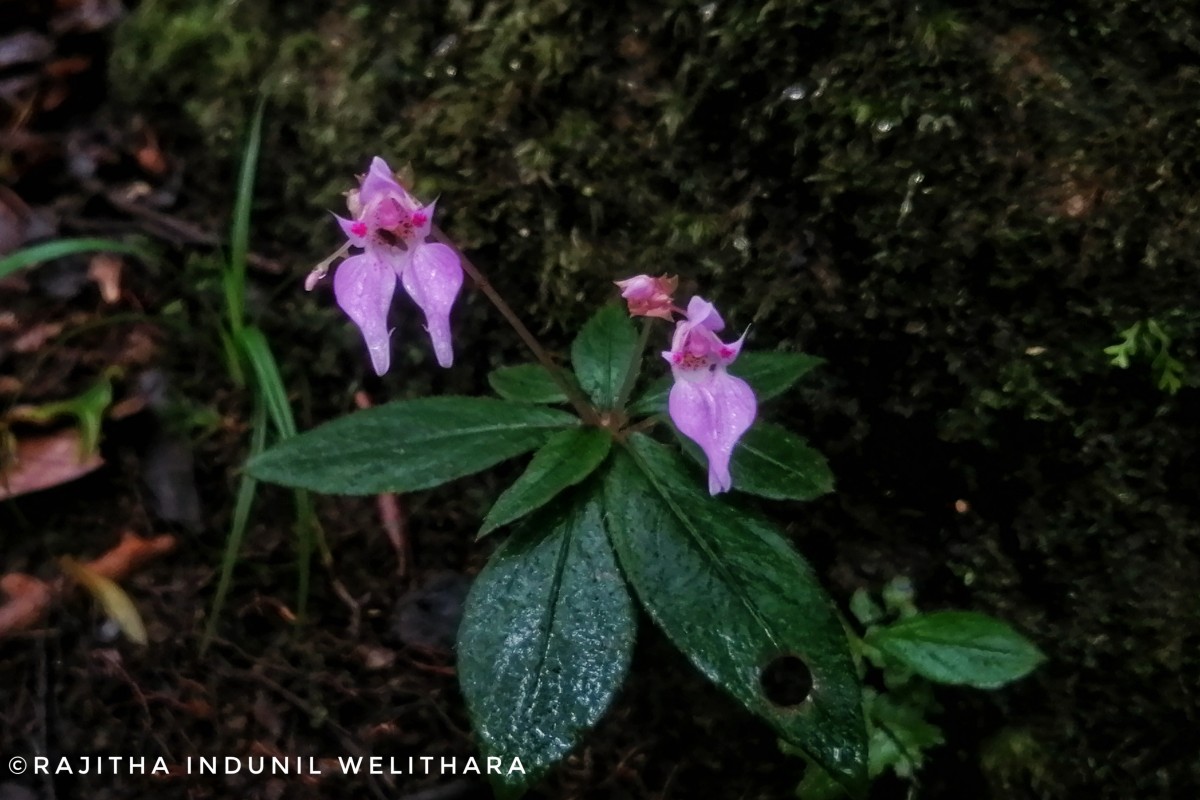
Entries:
{"x":586,"y":410}
{"x":635,"y":365}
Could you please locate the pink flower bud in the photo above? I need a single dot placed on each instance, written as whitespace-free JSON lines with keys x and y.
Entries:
{"x":649,"y":297}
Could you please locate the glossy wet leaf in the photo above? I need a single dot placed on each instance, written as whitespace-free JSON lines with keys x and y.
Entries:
{"x":734,"y":596}
{"x":564,"y":460}
{"x":769,"y":374}
{"x":601,"y":354}
{"x":408,"y":445}
{"x":546,"y":638}
{"x":526,"y":383}
{"x":958,"y":647}
{"x":773,"y":462}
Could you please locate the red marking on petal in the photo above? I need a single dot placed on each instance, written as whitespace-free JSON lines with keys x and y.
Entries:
{"x":419,"y":218}
{"x":726,"y":352}
{"x":359,"y":229}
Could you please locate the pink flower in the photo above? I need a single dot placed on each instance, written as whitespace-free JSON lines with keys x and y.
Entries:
{"x":393,"y":229}
{"x":707,"y":404}
{"x":649,"y":297}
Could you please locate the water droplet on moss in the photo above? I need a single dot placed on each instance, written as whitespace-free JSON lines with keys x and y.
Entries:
{"x":797,"y":91}
{"x":708,"y":11}
{"x":884,"y":125}
{"x":447,"y":44}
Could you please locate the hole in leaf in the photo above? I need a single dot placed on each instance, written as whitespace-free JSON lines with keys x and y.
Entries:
{"x":787,"y":681}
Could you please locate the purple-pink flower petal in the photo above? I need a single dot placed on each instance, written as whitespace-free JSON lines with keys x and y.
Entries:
{"x":379,"y":182}
{"x":363,"y":286}
{"x":713,"y":411}
{"x":422,"y":220}
{"x":385,"y":213}
{"x":433,"y":279}
{"x":356,"y":230}
{"x":702,"y":312}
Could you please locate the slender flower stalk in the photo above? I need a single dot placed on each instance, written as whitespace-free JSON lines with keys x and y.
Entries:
{"x":585,"y":409}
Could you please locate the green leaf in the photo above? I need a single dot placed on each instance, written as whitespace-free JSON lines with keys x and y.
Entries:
{"x":526,"y":383}
{"x":408,"y":445}
{"x":268,"y":381}
{"x":60,"y":248}
{"x":958,"y":647}
{"x":900,"y":737}
{"x":234,"y":277}
{"x":601,"y":354}
{"x":864,"y":609}
{"x":818,"y":785}
{"x":773,"y":462}
{"x":654,"y":399}
{"x":239,"y":521}
{"x":546,"y":638}
{"x":772,"y":374}
{"x":734,"y":597}
{"x":566,"y":459}
{"x":87,"y":408}
{"x":769,"y":374}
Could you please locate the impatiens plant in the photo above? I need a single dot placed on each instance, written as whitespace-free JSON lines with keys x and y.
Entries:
{"x":619,"y":501}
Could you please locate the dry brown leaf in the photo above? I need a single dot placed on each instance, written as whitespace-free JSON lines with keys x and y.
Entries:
{"x":85,"y":16}
{"x":131,"y":553}
{"x":28,"y":599}
{"x":41,"y":462}
{"x":149,"y":155}
{"x":32,"y":340}
{"x":140,"y":347}
{"x":105,"y":271}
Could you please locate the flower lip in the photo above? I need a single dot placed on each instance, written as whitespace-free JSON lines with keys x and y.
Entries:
{"x":392,"y":230}
{"x":706,"y":403}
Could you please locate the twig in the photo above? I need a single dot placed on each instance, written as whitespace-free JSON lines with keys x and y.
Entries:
{"x":165,"y":226}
